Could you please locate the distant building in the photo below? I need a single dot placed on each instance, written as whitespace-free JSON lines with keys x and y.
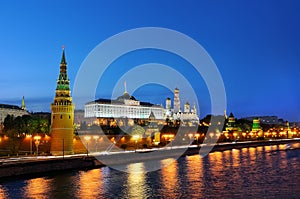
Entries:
{"x":82,"y":122}
{"x":7,"y":109}
{"x":256,"y":125}
{"x":187,"y":117}
{"x":168,"y":103}
{"x":231,"y":125}
{"x":122,"y":111}
{"x":176,"y":101}
{"x":42,"y":115}
{"x":125,"y":110}
{"x":187,"y":108}
{"x":265,"y":119}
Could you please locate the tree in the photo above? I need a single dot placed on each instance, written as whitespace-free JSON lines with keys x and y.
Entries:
{"x":13,"y":128}
{"x":16,"y":129}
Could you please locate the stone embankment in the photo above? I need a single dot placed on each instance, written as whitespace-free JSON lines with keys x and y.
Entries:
{"x":33,"y":166}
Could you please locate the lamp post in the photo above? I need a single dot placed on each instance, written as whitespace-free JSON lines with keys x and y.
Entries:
{"x":37,"y":139}
{"x":197,"y":138}
{"x":87,"y":139}
{"x":63,"y":147}
{"x":211,"y":136}
{"x":96,"y":137}
{"x":190,"y":137}
{"x":136,"y":137}
{"x":30,"y":143}
{"x":171,"y":140}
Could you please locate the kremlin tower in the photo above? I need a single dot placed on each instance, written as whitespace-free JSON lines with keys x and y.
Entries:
{"x":187,"y":108}
{"x":23,"y":107}
{"x":62,"y":114}
{"x":256,"y":125}
{"x":168,"y":103}
{"x":176,"y":100}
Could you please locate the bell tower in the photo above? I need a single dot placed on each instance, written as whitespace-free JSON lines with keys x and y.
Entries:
{"x":176,"y":100}
{"x":62,"y":114}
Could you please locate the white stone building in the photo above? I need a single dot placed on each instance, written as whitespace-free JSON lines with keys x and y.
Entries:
{"x":125,"y":106}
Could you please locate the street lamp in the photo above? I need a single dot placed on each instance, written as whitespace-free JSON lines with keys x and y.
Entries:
{"x":197,"y":138}
{"x":37,"y":139}
{"x":30,"y":143}
{"x":190,"y":136}
{"x":87,"y":139}
{"x":136,"y":137}
{"x":96,"y":137}
{"x":211,"y":135}
{"x":63,"y":147}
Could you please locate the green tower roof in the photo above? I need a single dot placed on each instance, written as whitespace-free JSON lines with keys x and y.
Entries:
{"x":63,"y":81}
{"x":63,"y":57}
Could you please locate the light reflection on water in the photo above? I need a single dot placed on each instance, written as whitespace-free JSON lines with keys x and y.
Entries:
{"x":136,"y":181}
{"x":169,"y":177}
{"x":262,"y":172}
{"x":89,"y":183}
{"x":37,"y":187}
{"x":3,"y":193}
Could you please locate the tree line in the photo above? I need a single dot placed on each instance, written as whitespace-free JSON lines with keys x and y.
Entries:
{"x":16,"y":129}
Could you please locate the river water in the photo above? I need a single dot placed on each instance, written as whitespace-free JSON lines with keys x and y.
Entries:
{"x":262,"y":172}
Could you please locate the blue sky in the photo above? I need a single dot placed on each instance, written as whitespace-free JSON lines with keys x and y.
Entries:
{"x":255,"y":45}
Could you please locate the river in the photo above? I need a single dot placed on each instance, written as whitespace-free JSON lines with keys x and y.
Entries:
{"x":262,"y":172}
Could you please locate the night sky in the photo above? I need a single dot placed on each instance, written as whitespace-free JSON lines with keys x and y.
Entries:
{"x":255,"y":45}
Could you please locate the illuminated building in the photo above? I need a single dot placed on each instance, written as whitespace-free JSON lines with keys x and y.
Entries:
{"x":256,"y":130}
{"x":7,"y":109}
{"x":152,"y":129}
{"x":187,"y":107}
{"x":124,"y":107}
{"x":168,"y":103}
{"x":256,"y":125}
{"x":187,"y":117}
{"x":62,"y":114}
{"x":265,"y":119}
{"x":231,"y":126}
{"x":176,"y":101}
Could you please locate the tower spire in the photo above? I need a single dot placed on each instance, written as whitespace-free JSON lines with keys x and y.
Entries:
{"x":63,"y":58}
{"x":63,"y":81}
{"x":23,"y":104}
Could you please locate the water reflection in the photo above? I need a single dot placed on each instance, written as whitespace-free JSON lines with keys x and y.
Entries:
{"x":236,"y":156}
{"x":136,"y":181}
{"x":195,"y":176}
{"x":37,"y":188}
{"x":3,"y":193}
{"x":263,"y":172}
{"x":169,"y":177}
{"x":252,"y":155}
{"x":90,"y":184}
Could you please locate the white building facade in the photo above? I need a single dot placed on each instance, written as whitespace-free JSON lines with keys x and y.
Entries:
{"x":125,"y":106}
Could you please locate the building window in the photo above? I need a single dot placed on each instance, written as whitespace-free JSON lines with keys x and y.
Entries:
{"x":60,"y":116}
{"x":69,"y":117}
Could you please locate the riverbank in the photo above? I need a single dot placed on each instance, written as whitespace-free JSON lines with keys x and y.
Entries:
{"x":18,"y":167}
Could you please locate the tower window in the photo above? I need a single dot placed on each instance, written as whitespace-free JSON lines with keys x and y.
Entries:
{"x":53,"y":117}
{"x":60,"y":116}
{"x":69,"y":117}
